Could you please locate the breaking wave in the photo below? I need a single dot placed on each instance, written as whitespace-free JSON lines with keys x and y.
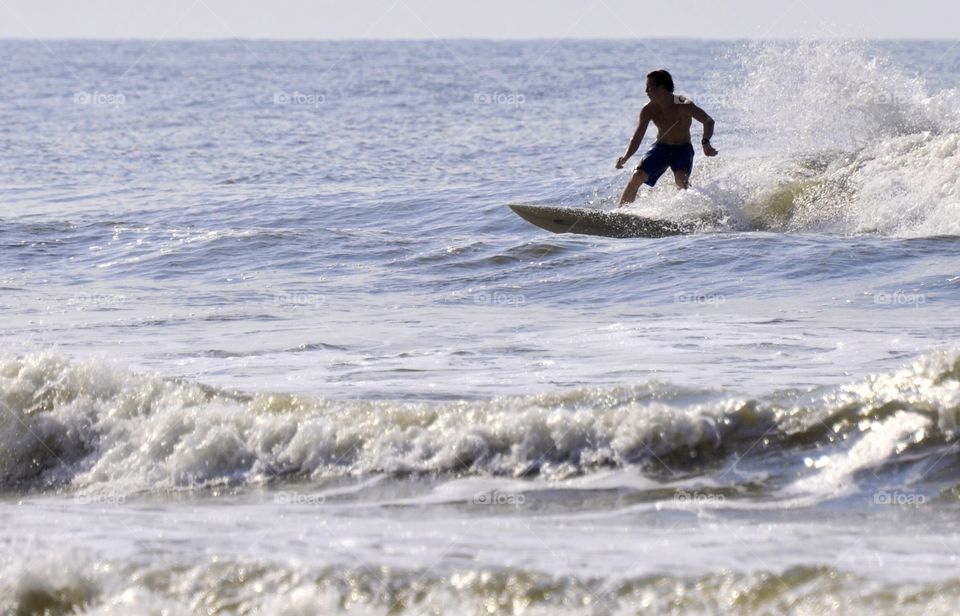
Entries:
{"x":91,"y":425}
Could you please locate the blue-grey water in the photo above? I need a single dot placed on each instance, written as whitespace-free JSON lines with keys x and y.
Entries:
{"x":272,"y":342}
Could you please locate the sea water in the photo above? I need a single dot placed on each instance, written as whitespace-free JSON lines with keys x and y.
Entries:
{"x":272,"y":342}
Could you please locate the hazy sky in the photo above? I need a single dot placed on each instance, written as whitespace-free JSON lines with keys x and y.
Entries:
{"x":426,"y":19}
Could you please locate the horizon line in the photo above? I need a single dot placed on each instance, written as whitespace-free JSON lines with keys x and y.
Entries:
{"x":28,"y":39}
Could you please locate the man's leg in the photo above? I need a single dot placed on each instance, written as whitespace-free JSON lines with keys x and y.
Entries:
{"x":682,"y":165}
{"x":630,"y":192}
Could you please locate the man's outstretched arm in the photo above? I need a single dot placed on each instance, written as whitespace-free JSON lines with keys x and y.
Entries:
{"x":701,"y":116}
{"x":637,"y":138}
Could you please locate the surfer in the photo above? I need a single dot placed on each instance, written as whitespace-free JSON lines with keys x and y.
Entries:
{"x":672,"y":115}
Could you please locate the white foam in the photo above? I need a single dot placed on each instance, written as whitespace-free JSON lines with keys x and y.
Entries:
{"x":98,"y":427}
{"x":105,"y":428}
{"x":881,"y":441}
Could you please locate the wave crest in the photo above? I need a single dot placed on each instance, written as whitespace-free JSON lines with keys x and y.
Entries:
{"x":90,"y":425}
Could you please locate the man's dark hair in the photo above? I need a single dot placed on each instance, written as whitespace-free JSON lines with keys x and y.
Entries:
{"x":662,"y":78}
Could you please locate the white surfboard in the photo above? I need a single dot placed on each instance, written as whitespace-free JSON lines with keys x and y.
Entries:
{"x":597,"y":222}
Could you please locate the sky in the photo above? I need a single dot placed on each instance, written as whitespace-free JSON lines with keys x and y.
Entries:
{"x":496,"y":19}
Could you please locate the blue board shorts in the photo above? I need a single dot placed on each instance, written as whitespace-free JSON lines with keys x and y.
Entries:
{"x":663,"y":155}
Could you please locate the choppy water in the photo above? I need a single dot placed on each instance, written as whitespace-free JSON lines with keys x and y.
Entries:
{"x":273,"y":343}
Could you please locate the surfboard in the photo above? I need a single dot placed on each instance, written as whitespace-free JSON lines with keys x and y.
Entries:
{"x":597,"y":222}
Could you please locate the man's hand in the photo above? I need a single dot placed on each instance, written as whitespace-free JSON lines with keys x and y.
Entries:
{"x":709,"y":150}
{"x":620,"y":162}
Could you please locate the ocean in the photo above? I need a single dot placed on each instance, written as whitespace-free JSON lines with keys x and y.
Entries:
{"x":272,"y":341}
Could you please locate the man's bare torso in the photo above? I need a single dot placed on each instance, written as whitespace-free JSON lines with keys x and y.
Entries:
{"x":673,"y":122}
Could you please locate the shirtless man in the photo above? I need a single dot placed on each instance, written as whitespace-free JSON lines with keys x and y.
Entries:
{"x":672,"y":116}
